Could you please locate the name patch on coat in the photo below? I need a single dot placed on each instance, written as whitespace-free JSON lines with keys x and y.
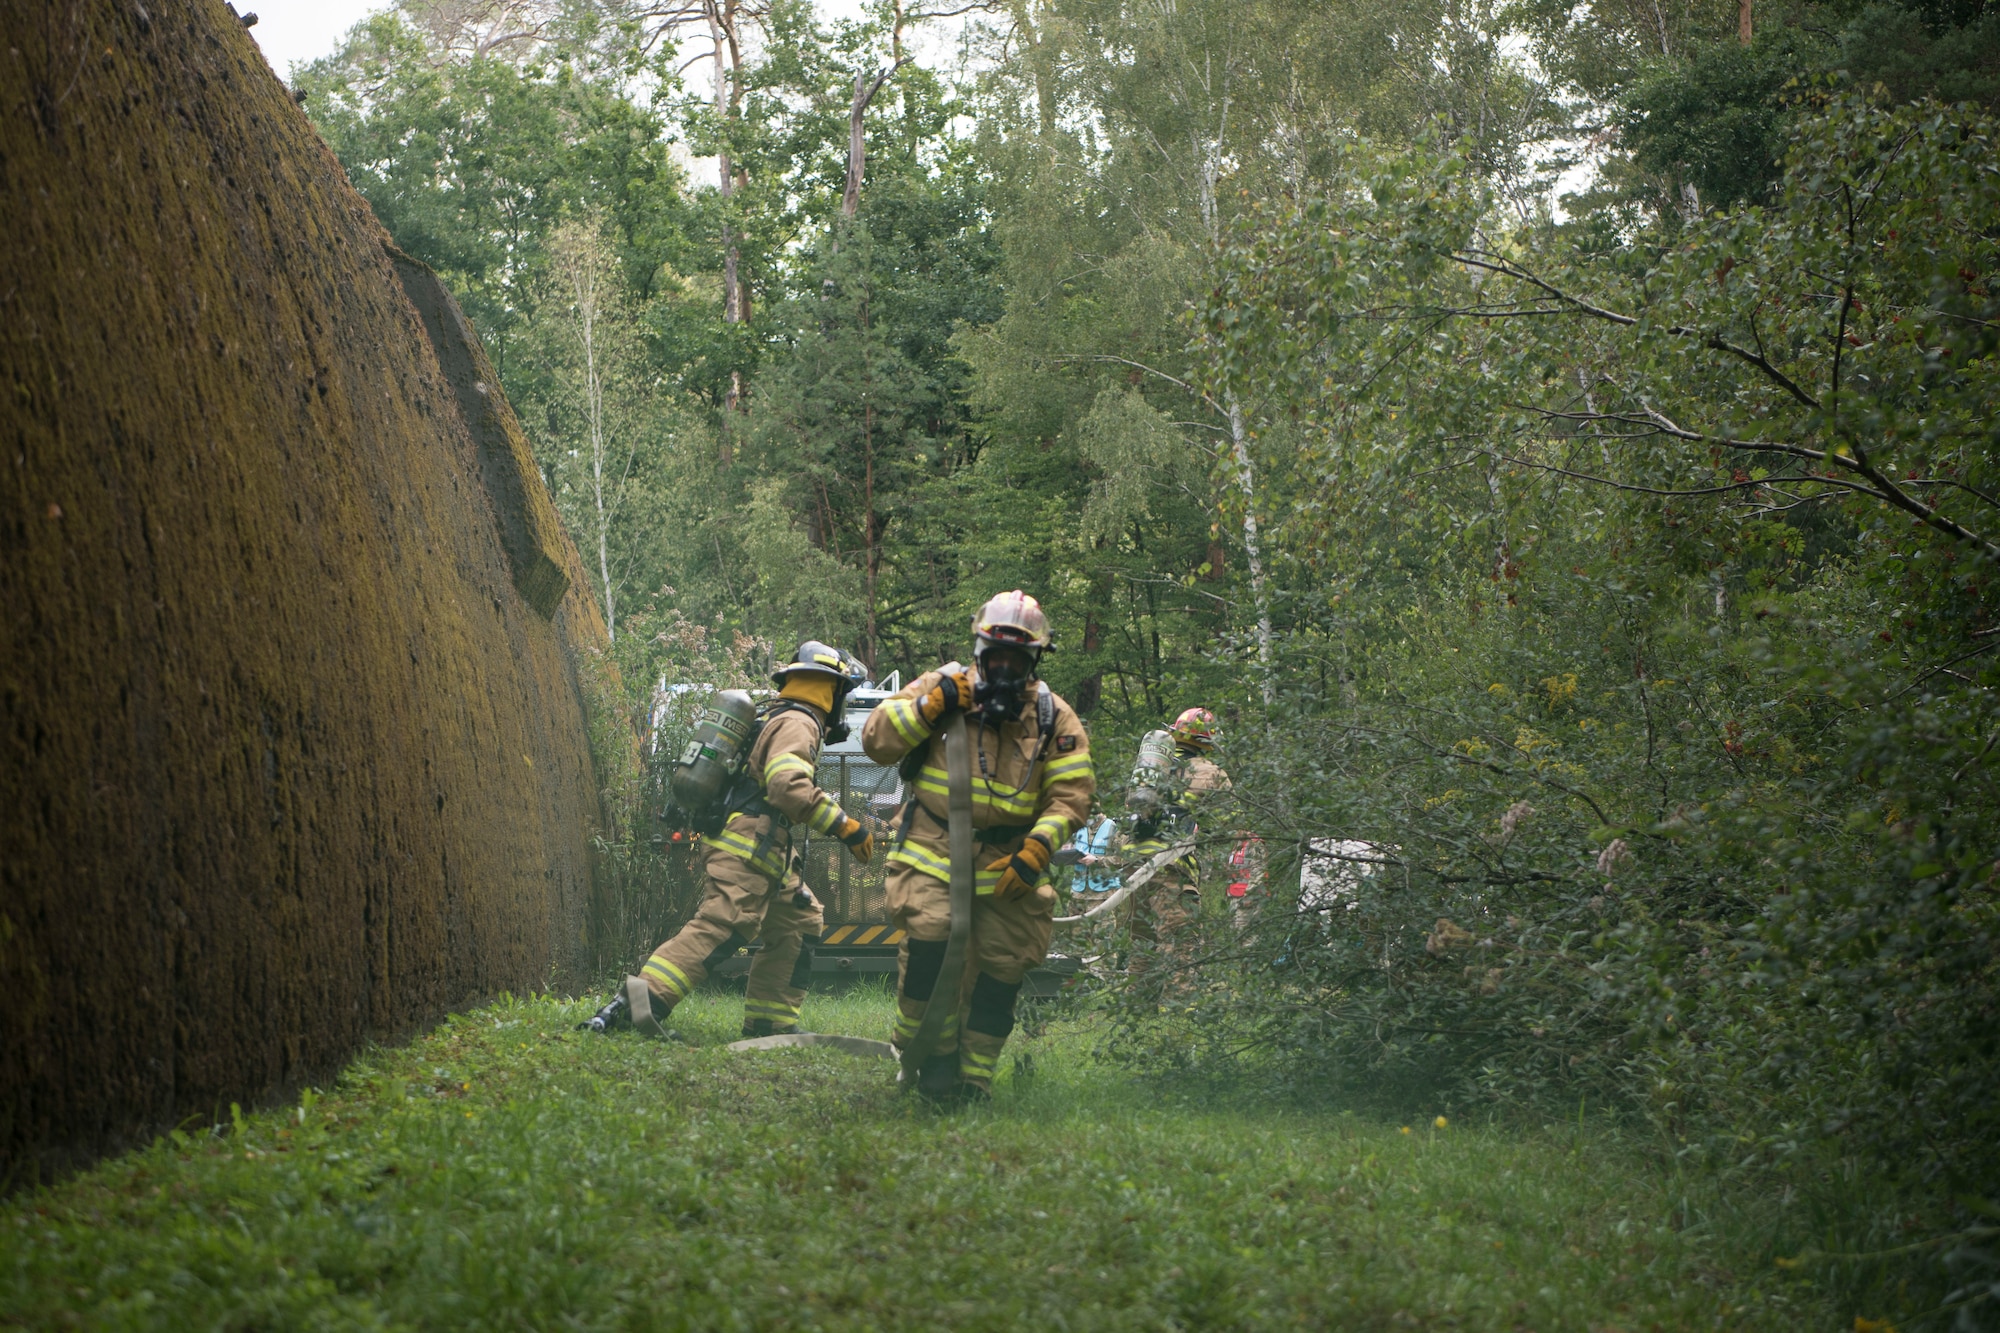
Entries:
{"x":1064,"y":744}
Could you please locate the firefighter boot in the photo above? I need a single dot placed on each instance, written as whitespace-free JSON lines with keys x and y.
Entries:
{"x":648,"y":1009}
{"x":765,"y":1027}
{"x":937,"y":1079}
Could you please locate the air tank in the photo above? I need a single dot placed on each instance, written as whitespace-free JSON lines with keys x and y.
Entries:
{"x":714,"y":753}
{"x":1151,"y":773}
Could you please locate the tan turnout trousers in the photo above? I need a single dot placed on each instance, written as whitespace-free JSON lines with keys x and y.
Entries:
{"x":739,"y":905}
{"x":1010,"y":938}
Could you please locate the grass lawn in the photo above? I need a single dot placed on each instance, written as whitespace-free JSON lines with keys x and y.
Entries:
{"x":506,"y":1171}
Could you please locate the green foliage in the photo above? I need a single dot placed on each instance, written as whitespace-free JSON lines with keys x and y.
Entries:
{"x":1718,"y":120}
{"x":506,"y":1169}
{"x":473,"y":164}
{"x":1954,"y":57}
{"x":1624,"y":579}
{"x":1670,"y":659}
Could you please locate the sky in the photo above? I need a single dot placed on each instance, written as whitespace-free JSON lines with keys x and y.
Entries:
{"x":293,"y":32}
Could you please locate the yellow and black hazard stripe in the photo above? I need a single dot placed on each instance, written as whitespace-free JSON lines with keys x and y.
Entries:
{"x":863,"y":934}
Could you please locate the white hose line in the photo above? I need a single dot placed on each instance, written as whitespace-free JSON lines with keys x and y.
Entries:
{"x":850,"y":1045}
{"x":1133,"y":882}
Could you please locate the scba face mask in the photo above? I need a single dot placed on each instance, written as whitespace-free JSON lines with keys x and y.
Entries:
{"x":1002,"y":690}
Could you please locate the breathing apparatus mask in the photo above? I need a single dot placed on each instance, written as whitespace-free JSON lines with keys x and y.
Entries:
{"x":1004,"y":685}
{"x":1011,"y":634}
{"x":852,"y":674}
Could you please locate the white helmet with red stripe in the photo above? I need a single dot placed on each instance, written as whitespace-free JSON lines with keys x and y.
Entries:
{"x":1014,"y":620}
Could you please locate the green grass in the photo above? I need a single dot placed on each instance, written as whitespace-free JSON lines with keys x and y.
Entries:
{"x":508,"y":1172}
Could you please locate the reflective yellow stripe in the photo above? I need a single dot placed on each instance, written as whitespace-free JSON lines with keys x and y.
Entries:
{"x":775,"y":1010}
{"x":988,"y":797}
{"x":906,"y":1028}
{"x":984,"y":880}
{"x":904,"y":717}
{"x":868,"y":936}
{"x":972,"y":1064}
{"x":826,"y":816}
{"x":839,"y":935}
{"x":737,"y":844}
{"x":1056,"y":828}
{"x":917,"y":858}
{"x":786,"y":762}
{"x":671,"y":977}
{"x":1065,"y":769}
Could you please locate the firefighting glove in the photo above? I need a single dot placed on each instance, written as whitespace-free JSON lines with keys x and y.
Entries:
{"x":1023,"y":868}
{"x":953,"y":690}
{"x":860,"y":841}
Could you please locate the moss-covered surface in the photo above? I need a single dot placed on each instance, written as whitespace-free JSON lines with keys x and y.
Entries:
{"x":287,"y":757}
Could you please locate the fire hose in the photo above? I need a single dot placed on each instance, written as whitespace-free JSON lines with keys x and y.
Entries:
{"x":944,"y":995}
{"x":943,"y":1003}
{"x":1135,"y":881}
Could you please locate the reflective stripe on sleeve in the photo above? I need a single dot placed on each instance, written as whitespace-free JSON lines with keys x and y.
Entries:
{"x":904,"y":717}
{"x":786,"y":762}
{"x":826,"y":816}
{"x":1066,"y":768}
{"x":1054,"y":827}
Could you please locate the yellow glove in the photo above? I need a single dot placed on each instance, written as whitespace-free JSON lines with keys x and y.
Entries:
{"x":860,"y":841}
{"x":953,"y":690}
{"x":1023,"y":868}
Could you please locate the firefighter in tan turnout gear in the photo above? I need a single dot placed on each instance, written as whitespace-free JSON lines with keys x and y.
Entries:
{"x":752,"y":888}
{"x":1174,"y":784}
{"x":1031,"y":786}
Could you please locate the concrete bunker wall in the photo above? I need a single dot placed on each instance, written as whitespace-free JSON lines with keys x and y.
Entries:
{"x":293,"y":745}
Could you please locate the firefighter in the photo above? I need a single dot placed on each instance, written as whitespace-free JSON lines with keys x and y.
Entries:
{"x":1031,"y":786}
{"x":752,"y":887}
{"x":1173,"y":897}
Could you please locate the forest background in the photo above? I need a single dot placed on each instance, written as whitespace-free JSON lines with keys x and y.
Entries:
{"x":1557,"y":439}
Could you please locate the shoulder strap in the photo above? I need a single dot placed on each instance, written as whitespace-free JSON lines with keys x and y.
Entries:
{"x":1045,"y":723}
{"x":770,"y":709}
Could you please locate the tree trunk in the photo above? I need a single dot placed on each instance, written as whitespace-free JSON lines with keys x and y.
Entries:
{"x":1246,"y":479}
{"x":857,"y":145}
{"x":728,"y":57}
{"x":1743,"y":21}
{"x":584,"y":281}
{"x":865,"y":88}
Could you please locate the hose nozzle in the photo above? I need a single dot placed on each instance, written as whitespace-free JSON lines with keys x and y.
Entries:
{"x":606,"y":1018}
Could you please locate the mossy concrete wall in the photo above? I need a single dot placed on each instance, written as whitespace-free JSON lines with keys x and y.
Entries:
{"x":293,"y":749}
